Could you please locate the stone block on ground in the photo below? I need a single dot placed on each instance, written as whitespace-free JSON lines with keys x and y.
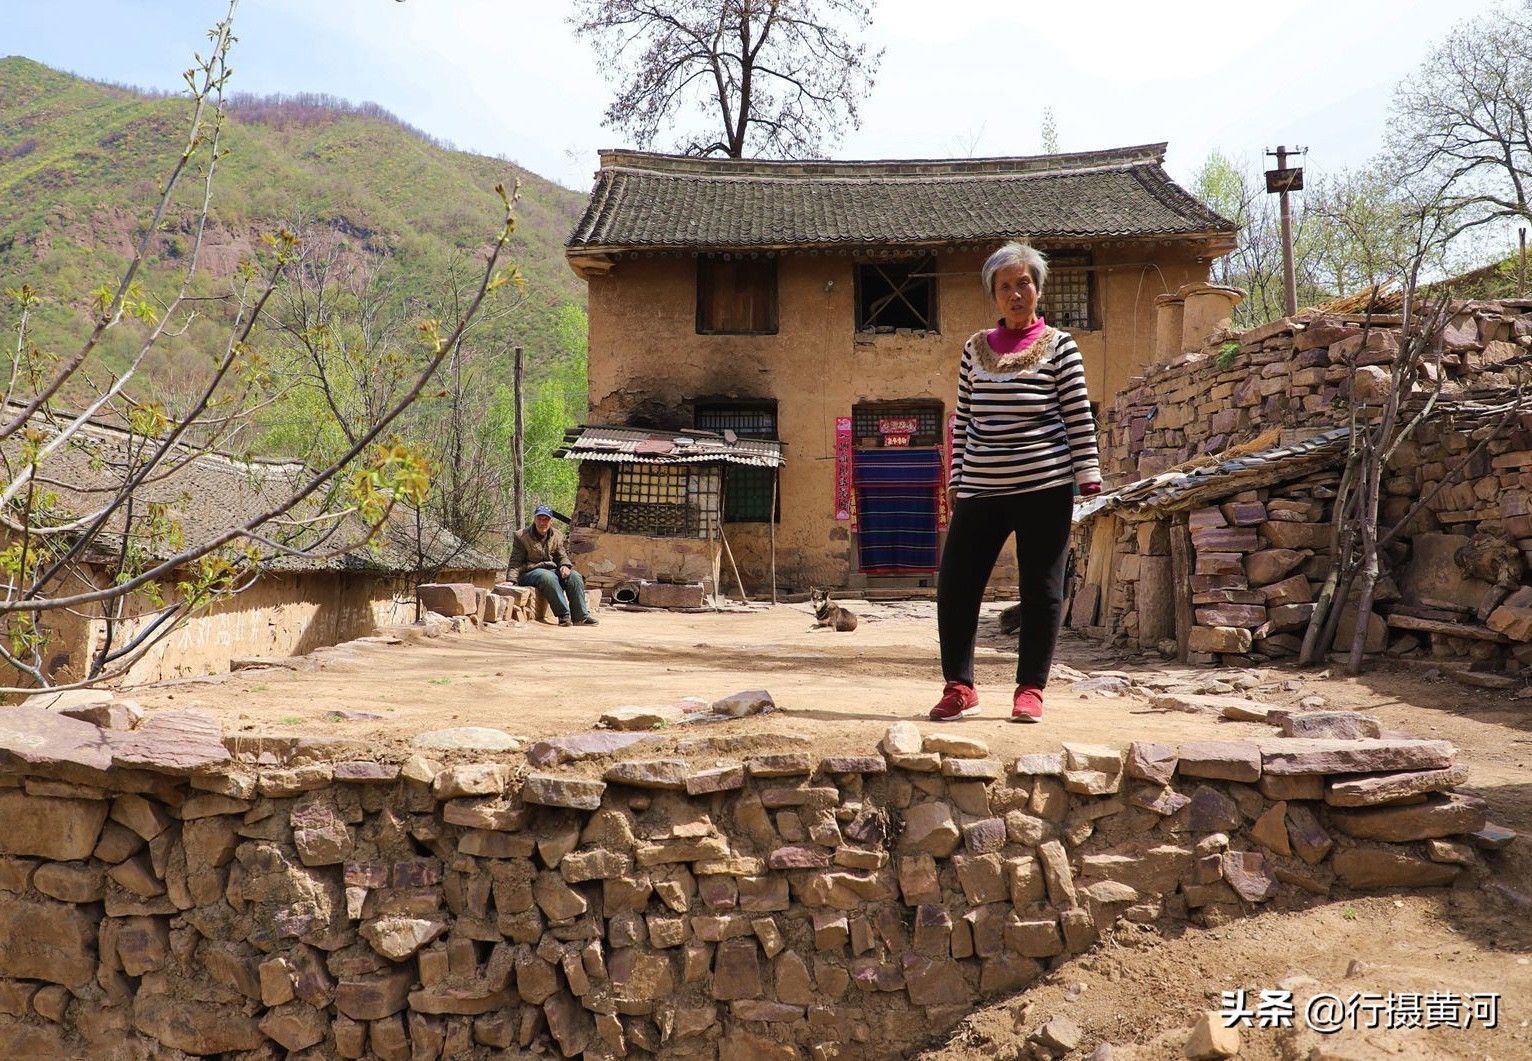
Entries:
{"x":744,"y":704}
{"x":671,"y":595}
{"x":449,"y":598}
{"x":1210,"y":1040}
{"x":1339,"y":725}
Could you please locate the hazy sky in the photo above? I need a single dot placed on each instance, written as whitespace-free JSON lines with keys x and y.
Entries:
{"x":959,"y":77}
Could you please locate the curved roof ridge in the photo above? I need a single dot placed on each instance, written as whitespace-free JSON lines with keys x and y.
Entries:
{"x":864,"y":169}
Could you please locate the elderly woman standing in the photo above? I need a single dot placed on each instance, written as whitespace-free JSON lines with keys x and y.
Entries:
{"x":1024,"y":439}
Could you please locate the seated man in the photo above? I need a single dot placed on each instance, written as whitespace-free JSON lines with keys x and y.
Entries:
{"x":540,"y":561}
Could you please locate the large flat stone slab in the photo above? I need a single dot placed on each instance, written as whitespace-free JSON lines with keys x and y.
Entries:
{"x":180,"y":743}
{"x":468,"y":739}
{"x":1301,"y":755}
{"x":1223,"y":760}
{"x":555,"y":751}
{"x":1438,"y":816}
{"x":1235,"y":707}
{"x":1386,"y":788}
{"x":38,"y":737}
{"x":1364,"y":867}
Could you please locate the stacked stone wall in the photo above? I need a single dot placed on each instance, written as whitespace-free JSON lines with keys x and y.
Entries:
{"x":1255,"y":564}
{"x":159,"y":894}
{"x":1298,"y":377}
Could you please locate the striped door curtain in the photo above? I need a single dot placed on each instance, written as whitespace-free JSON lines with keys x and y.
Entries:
{"x":897,"y":491}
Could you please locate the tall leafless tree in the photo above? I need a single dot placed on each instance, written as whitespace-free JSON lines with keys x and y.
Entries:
{"x":81,"y":535}
{"x":1461,"y":126}
{"x":765,"y":78}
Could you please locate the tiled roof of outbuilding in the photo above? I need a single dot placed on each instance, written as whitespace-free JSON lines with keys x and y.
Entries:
{"x":644,"y":200}
{"x":210,"y":492}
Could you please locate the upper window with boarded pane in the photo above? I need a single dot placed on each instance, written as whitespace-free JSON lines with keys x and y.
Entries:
{"x":736,"y":296}
{"x":891,"y":295}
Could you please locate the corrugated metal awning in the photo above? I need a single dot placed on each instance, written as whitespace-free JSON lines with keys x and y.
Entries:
{"x":637,"y":445}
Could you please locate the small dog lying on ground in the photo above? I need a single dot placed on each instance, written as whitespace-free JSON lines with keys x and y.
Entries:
{"x":1010,"y":619}
{"x":827,"y":613}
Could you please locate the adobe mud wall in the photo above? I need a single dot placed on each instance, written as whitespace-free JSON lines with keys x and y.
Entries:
{"x":160,"y":894}
{"x":648,"y":364}
{"x":283,"y":614}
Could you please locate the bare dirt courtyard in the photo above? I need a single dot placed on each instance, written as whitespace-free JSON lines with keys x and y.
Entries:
{"x":838,"y":692}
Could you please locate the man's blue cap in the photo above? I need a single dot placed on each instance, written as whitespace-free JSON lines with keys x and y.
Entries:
{"x":542,"y":510}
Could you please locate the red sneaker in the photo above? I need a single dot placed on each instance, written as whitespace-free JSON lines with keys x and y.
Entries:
{"x":958,"y":701}
{"x":1028,"y":703}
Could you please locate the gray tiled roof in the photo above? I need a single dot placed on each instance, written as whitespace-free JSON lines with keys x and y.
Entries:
{"x":646,"y":200}
{"x":210,"y":492}
{"x":638,"y":445}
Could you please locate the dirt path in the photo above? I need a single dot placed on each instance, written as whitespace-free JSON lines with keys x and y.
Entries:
{"x":839,"y":691}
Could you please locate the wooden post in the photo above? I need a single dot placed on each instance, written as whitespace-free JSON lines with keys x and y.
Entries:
{"x":771,"y":523}
{"x":743,"y":596}
{"x":1181,"y":581}
{"x":518,"y":444}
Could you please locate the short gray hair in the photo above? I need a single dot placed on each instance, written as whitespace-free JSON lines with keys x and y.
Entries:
{"x":1015,"y":253}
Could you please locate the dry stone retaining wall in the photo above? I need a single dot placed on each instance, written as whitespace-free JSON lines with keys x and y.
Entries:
{"x":1456,"y":581}
{"x":159,"y":896}
{"x":1296,"y":373}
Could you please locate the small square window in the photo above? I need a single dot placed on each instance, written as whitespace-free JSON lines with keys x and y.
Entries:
{"x":736,"y":296}
{"x":1069,"y":295}
{"x":896,"y":294}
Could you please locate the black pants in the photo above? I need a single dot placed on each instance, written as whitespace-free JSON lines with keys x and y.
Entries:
{"x":1041,"y":520}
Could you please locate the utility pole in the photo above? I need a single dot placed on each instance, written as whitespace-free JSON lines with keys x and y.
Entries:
{"x":1281,"y":181}
{"x":1521,"y":268}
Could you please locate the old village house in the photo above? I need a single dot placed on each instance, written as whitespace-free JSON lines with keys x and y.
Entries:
{"x":824,"y":305}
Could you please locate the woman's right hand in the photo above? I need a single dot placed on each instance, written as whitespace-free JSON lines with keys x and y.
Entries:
{"x":952,"y":498}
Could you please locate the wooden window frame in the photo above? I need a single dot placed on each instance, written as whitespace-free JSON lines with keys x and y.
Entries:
{"x":921,"y":263}
{"x":706,"y":264}
{"x":695,"y":514}
{"x":1072,"y":262}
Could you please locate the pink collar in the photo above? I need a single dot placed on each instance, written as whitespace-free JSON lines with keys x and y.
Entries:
{"x":1005,"y":340}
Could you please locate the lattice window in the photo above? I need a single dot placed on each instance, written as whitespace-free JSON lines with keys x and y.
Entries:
{"x":1069,"y":296}
{"x":736,"y":296}
{"x":896,"y":294}
{"x":916,"y":424}
{"x":747,"y":491}
{"x":666,"y":500}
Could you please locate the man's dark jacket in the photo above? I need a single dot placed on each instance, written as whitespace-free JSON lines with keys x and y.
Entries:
{"x":529,"y":550}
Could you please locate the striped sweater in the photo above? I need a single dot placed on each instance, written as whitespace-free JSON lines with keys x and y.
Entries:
{"x":1022,"y":429}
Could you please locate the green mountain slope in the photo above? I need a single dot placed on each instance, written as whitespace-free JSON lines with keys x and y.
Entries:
{"x":80,"y":164}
